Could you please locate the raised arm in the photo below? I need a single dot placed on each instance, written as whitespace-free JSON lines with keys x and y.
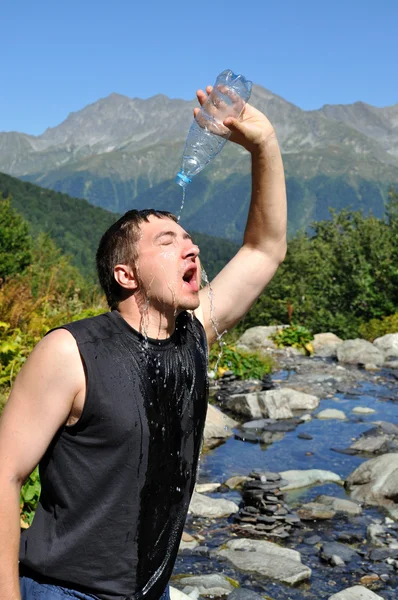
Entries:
{"x":40,"y":403}
{"x":243,"y":279}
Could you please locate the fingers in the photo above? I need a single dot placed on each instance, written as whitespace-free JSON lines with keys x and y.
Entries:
{"x":202,"y":96}
{"x":233,"y":124}
{"x":195,"y":112}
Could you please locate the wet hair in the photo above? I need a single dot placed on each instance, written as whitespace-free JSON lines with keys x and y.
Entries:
{"x":118,"y":246}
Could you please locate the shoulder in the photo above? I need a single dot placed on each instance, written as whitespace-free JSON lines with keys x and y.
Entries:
{"x":91,"y":329}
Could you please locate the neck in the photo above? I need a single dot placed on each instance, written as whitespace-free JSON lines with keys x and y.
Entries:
{"x":147,"y":319}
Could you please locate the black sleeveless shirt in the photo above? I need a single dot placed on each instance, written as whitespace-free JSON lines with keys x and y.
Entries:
{"x":116,"y":485}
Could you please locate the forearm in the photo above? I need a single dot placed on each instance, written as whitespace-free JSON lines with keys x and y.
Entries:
{"x":267,"y":219}
{"x":10,"y":539}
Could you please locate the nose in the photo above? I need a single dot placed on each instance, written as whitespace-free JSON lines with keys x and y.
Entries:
{"x":191,"y":250}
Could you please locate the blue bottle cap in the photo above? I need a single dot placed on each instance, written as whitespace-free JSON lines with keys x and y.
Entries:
{"x":182,"y":179}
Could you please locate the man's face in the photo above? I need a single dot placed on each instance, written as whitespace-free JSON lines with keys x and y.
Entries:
{"x":168,"y":267}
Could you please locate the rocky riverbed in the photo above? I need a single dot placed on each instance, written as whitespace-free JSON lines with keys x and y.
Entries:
{"x":301,"y":498}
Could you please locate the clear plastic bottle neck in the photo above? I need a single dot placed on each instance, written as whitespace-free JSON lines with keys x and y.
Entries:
{"x":182,"y":179}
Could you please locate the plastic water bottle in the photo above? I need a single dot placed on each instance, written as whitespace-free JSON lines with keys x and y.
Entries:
{"x":207,"y":134}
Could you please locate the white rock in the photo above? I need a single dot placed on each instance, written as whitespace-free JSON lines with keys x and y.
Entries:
{"x":203,"y":488}
{"x":178,"y":595}
{"x":357,"y":592}
{"x":331,"y":413}
{"x":363,"y":410}
{"x":359,"y":352}
{"x":266,"y":559}
{"x":305,"y":478}
{"x":208,"y":585}
{"x":218,"y":427}
{"x":275,"y":404}
{"x":306,"y":418}
{"x":203,"y":506}
{"x":388,"y":345}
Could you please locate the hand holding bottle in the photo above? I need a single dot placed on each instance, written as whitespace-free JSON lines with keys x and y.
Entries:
{"x":211,"y":127}
{"x":251,"y":130}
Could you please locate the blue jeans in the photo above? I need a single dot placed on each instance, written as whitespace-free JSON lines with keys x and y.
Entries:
{"x":32,"y":590}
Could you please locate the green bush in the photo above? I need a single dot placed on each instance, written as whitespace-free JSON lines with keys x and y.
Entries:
{"x":295,"y":336}
{"x":29,"y":498}
{"x":377,"y":327}
{"x":243,"y":364}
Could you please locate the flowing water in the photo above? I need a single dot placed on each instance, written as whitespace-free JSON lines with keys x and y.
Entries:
{"x":182,"y":204}
{"x":237,"y":457}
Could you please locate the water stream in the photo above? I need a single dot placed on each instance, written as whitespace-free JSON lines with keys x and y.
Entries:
{"x":237,"y":457}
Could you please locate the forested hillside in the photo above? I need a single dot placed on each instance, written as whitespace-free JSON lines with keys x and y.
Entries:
{"x":76,"y":226}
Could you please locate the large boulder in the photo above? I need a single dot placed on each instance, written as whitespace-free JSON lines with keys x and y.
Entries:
{"x":266,"y":559}
{"x":388,"y":345}
{"x":375,"y":482}
{"x":258,"y":338}
{"x":325,"y":344}
{"x":359,"y":352}
{"x":218,"y":427}
{"x":273,"y":404}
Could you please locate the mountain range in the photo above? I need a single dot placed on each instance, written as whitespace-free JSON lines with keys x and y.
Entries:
{"x":121,"y":153}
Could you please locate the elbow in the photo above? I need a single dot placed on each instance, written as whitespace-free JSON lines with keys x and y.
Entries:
{"x":279,"y":253}
{"x":282,"y":253}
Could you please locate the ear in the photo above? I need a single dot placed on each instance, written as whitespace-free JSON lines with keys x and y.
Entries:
{"x":125,"y":276}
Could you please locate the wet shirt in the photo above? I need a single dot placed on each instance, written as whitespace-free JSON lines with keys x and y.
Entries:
{"x":116,"y":485}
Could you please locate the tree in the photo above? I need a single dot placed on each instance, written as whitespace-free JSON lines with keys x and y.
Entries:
{"x":15,"y":241}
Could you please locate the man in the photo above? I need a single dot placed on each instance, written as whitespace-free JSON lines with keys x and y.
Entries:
{"x":113,"y":407}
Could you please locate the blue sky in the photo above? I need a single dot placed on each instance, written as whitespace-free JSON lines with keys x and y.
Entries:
{"x":57,"y":57}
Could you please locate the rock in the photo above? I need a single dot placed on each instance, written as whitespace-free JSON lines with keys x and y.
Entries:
{"x":369,"y":579}
{"x":325,"y":344}
{"x":350,"y":537}
{"x":314,"y":511}
{"x":370,"y":444}
{"x":388,"y":345}
{"x":359,"y":352}
{"x":209,"y":585}
{"x":266,"y":559}
{"x":203,"y":488}
{"x":357,"y":592}
{"x":203,"y":506}
{"x":188,"y":545}
{"x":187,"y":537}
{"x":331,"y":413}
{"x":258,"y":338}
{"x":382,"y":536}
{"x":217,"y":427}
{"x":336,"y":561}
{"x":275,"y":404}
{"x":312,"y":540}
{"x":244,"y":594}
{"x":363,"y":410}
{"x":178,"y":594}
{"x":330,"y":549}
{"x":305,"y":478}
{"x":340,"y":505}
{"x":375,"y":481}
{"x":305,"y":436}
{"x":236,"y":481}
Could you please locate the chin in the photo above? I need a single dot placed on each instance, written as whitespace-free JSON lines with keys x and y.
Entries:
{"x":191,"y":304}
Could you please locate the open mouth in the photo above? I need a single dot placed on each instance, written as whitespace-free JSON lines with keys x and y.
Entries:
{"x":189,"y":278}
